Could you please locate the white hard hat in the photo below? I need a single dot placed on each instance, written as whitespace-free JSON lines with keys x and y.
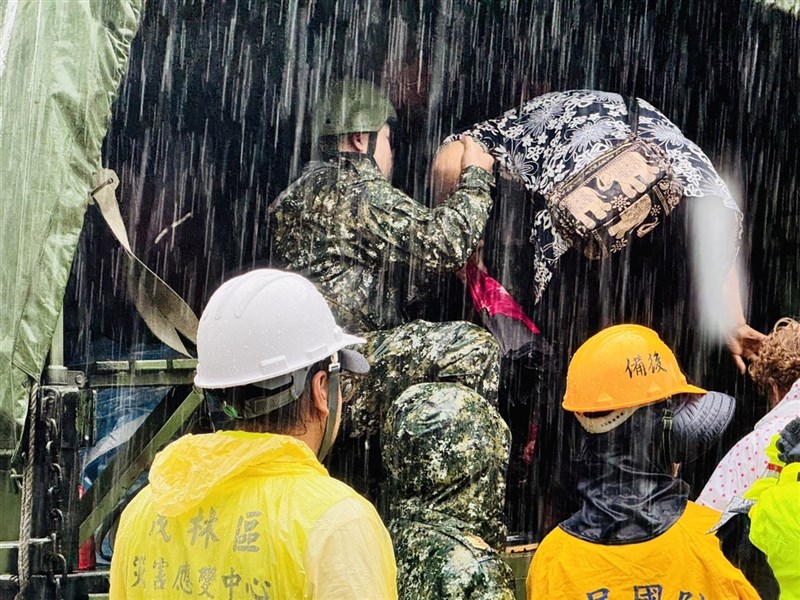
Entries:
{"x":265,"y":324}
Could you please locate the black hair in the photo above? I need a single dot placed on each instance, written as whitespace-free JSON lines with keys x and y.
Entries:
{"x":286,"y":420}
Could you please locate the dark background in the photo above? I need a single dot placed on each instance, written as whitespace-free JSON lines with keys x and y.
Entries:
{"x":212,"y":123}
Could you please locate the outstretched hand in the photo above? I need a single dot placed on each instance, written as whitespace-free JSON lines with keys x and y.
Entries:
{"x":743,"y":343}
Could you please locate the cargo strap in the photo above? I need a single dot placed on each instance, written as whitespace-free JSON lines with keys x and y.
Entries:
{"x":162,"y":309}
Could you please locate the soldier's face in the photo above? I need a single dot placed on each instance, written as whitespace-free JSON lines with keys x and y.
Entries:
{"x":383,"y":152}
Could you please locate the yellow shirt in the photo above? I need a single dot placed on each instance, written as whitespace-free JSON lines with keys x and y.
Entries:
{"x":240,"y":515}
{"x":683,"y":563}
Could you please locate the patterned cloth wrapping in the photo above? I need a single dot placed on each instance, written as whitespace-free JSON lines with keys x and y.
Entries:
{"x":551,"y":137}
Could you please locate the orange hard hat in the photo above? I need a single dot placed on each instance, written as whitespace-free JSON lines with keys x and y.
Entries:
{"x":623,"y":366}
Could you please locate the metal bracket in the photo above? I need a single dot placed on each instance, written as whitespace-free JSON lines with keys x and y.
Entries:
{"x":98,"y":506}
{"x":123,"y":373}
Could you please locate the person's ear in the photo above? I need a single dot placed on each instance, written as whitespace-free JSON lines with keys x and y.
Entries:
{"x":359,"y":141}
{"x":319,"y":392}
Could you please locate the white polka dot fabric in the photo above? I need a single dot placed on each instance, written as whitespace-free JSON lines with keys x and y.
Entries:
{"x":747,"y":460}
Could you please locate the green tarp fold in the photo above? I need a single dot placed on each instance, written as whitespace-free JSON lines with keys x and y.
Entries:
{"x":61,"y":63}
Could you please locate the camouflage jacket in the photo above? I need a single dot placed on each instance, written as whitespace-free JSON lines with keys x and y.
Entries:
{"x":445,"y":450}
{"x":360,"y":240}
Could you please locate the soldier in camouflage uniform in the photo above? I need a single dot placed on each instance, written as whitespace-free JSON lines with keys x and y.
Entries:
{"x":446,"y":450}
{"x":363,"y":243}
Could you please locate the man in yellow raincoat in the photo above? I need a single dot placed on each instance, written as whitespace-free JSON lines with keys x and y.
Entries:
{"x":250,"y":512}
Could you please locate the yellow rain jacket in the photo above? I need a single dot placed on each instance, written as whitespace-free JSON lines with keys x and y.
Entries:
{"x":244,"y":515}
{"x":682,"y":563}
{"x":775,"y":528}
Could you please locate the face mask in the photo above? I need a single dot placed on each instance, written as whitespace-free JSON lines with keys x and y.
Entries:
{"x":692,"y":424}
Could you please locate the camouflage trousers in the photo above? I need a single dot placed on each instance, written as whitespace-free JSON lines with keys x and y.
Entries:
{"x":420,"y":352}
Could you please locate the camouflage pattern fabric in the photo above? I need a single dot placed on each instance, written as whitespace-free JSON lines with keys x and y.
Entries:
{"x":342,"y":225}
{"x":418,"y":352}
{"x":445,"y":450}
{"x":439,"y":562}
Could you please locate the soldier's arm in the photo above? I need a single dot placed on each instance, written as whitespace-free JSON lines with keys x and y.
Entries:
{"x":442,"y":238}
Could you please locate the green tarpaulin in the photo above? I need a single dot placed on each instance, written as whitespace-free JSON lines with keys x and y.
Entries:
{"x":61,"y":62}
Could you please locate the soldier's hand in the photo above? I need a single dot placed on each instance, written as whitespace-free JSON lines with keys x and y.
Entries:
{"x":475,"y":156}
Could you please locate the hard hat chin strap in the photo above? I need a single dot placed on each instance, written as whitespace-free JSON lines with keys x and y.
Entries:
{"x":333,"y":407}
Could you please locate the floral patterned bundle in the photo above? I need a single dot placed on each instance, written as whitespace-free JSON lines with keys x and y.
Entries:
{"x":625,"y":192}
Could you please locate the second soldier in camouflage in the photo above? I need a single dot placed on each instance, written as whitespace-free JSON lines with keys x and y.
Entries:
{"x":446,"y":451}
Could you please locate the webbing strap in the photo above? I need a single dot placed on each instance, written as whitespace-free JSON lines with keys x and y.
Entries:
{"x":666,"y":434}
{"x":632,"y":104}
{"x":161,"y":308}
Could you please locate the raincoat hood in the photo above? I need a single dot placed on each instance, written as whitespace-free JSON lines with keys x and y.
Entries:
{"x":446,"y":452}
{"x":195,"y":466}
{"x":627,"y":492}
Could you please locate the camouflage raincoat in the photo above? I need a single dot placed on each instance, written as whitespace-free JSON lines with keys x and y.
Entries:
{"x":446,"y":452}
{"x":419,"y":352}
{"x":363,"y":243}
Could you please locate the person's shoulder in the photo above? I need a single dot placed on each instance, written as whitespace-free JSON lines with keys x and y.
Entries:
{"x":700,"y":517}
{"x":349,"y":505}
{"x":381,"y":189}
{"x":556,"y":540}
{"x":379,"y":200}
{"x":788,"y":407}
{"x":557,"y":551}
{"x":141,"y":505}
{"x":316,"y":176}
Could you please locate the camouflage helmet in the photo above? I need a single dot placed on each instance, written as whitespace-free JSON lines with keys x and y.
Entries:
{"x":355,"y":106}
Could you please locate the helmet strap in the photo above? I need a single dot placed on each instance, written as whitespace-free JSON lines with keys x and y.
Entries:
{"x":372,"y":144}
{"x":611,"y":421}
{"x":333,"y":407}
{"x":666,"y":433}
